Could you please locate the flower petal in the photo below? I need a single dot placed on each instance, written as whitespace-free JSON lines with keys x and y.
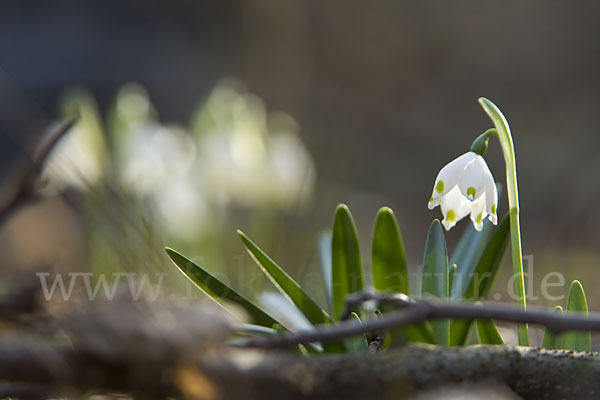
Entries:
{"x":451,"y":174}
{"x":434,"y":203}
{"x":455,"y":207}
{"x":491,"y":200}
{"x":477,"y":211}
{"x":472,"y":182}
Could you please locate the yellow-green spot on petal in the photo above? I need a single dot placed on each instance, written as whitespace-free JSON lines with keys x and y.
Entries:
{"x":439,"y":187}
{"x":431,"y":199}
{"x":479,"y":218}
{"x":471,"y":192}
{"x":451,"y":215}
{"x":494,"y":209}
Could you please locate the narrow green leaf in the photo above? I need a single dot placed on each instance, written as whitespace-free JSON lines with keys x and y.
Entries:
{"x":250,"y":329}
{"x":286,"y":284}
{"x":358,"y":343}
{"x":347,"y":275}
{"x":388,"y":257}
{"x":283,"y":310}
{"x":576,"y":303}
{"x":435,"y":276}
{"x":422,"y":333}
{"x":487,"y":332}
{"x":459,"y":329}
{"x":465,"y":256}
{"x":481,"y":278}
{"x":290,"y":289}
{"x":389,"y":267}
{"x":553,"y":340}
{"x":324,"y":248}
{"x":302,"y":349}
{"x":310,"y":348}
{"x":435,"y":263}
{"x":452,"y":274}
{"x":217,"y":290}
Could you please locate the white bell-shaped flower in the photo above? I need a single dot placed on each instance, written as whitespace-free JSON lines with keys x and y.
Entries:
{"x":465,"y":186}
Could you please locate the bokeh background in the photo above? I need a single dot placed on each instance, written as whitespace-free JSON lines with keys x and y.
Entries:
{"x":202,"y":117}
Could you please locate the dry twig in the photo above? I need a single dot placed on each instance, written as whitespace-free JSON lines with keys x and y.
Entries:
{"x":413,"y":311}
{"x":29,"y":180}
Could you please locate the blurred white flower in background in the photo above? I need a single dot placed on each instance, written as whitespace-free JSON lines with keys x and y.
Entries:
{"x":251,"y":157}
{"x":236,"y":153}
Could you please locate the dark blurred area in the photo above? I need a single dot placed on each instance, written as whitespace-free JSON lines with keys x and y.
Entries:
{"x":385,"y":94}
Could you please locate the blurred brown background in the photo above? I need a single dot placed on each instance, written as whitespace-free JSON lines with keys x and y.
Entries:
{"x":384,"y":93}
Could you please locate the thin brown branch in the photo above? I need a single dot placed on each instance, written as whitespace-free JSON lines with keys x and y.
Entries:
{"x":29,"y":180}
{"x":49,"y":139}
{"x":417,"y":311}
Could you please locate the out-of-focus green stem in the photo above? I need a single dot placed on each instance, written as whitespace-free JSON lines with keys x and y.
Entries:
{"x":506,"y":142}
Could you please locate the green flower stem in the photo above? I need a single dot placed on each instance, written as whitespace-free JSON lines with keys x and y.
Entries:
{"x":506,"y":142}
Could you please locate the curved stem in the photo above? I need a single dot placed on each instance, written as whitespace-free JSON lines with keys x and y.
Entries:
{"x":506,"y":142}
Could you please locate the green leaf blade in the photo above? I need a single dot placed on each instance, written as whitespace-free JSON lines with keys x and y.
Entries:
{"x":451,"y":276}
{"x":435,"y":276}
{"x":459,"y":330}
{"x":480,"y":280}
{"x":486,"y":270}
{"x":422,"y":333}
{"x":324,"y":249}
{"x":347,"y":275}
{"x":487,"y":332}
{"x":577,"y":303}
{"x":466,"y":255}
{"x":285,"y":283}
{"x":390,"y":272}
{"x":357,"y":344}
{"x":435,"y":263}
{"x":553,"y":340}
{"x":217,"y":290}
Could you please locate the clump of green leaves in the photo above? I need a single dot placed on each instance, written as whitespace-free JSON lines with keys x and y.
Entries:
{"x":474,"y":265}
{"x":579,"y":341}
